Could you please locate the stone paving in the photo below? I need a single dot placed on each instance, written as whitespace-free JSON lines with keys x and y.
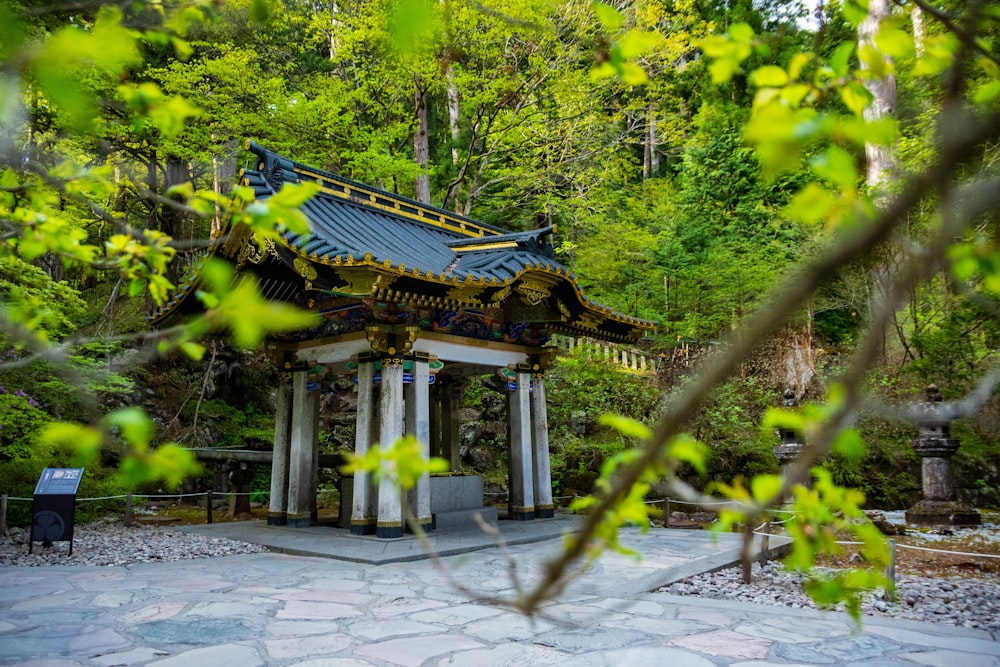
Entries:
{"x":281,"y":609}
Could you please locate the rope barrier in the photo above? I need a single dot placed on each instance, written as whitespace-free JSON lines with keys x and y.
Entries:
{"x":164,"y":495}
{"x":942,"y":551}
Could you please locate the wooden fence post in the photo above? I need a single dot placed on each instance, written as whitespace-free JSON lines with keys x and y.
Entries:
{"x":3,"y":515}
{"x":208,"y":508}
{"x":765,"y":543}
{"x":128,"y":509}
{"x":890,"y":570}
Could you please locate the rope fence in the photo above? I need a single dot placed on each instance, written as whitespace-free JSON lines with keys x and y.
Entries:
{"x":129,"y":497}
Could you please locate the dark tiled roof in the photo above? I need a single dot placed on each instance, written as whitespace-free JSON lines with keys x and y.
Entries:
{"x":429,"y":250}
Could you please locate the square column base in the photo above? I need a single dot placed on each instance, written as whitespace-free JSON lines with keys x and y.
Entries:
{"x":277,"y":519}
{"x":522,"y":513}
{"x":545,"y":511}
{"x":299,"y":520}
{"x":389,"y":530}
{"x":362,"y":526}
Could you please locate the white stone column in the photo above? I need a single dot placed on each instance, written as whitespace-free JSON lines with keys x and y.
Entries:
{"x":363,"y":504}
{"x":277,"y":511}
{"x":522,"y":498}
{"x":390,"y":506}
{"x":417,"y":395}
{"x":542,"y":469}
{"x":300,"y":475}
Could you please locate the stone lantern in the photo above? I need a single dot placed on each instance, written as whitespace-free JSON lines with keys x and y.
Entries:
{"x":790,"y":444}
{"x":935,"y":446}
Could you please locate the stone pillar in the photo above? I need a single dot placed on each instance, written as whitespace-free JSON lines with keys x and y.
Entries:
{"x":451,"y":400}
{"x":435,"y":418}
{"x":277,"y":511}
{"x":364,"y":507}
{"x":301,"y":498}
{"x":936,"y":447}
{"x":522,"y":498}
{"x":542,"y":473}
{"x":390,"y":506}
{"x":315,"y":393}
{"x":790,"y":442}
{"x":417,"y":395}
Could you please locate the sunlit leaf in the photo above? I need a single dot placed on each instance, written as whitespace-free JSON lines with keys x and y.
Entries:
{"x":769,"y":75}
{"x":609,"y":17}
{"x":837,"y":166}
{"x":626,"y":426}
{"x":765,"y":488}
{"x":135,"y":426}
{"x":849,"y":444}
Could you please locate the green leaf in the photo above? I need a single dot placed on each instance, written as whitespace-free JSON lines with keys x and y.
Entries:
{"x":412,"y":25}
{"x":765,"y":488}
{"x":639,"y":42}
{"x":813,"y":204}
{"x":769,"y":76}
{"x":856,"y":97}
{"x":855,"y":11}
{"x":609,"y":17}
{"x":83,"y":440}
{"x":193,"y":350}
{"x":841,"y":58}
{"x":850,"y":445}
{"x":685,"y":448}
{"x":837,"y":166}
{"x":626,"y":426}
{"x":987,"y":93}
{"x":894,"y":42}
{"x":135,"y":425}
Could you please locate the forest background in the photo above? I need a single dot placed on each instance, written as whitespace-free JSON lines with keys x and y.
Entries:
{"x":692,"y":154}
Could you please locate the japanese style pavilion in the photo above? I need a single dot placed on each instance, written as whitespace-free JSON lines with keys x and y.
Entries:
{"x":413,"y":299}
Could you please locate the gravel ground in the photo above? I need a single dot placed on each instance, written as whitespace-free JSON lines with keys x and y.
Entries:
{"x":111,"y":543}
{"x":966,"y":601}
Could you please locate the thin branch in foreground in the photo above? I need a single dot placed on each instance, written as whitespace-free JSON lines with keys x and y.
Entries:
{"x":850,"y":244}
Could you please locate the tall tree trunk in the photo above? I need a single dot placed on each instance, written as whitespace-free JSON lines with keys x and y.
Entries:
{"x":421,"y":145}
{"x":454,"y":117}
{"x":153,"y":184}
{"x":650,"y":158}
{"x":334,"y":25}
{"x":881,"y":163}
{"x":917,"y":19}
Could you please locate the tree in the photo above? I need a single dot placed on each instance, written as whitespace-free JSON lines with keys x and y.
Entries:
{"x":69,"y":88}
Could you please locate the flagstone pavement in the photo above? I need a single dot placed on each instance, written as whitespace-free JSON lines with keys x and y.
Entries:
{"x":333,"y":609}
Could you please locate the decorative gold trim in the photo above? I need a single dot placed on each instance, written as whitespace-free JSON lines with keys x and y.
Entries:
{"x":305,"y":268}
{"x":485,"y":246}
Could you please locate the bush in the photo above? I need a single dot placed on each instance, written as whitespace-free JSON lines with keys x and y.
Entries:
{"x":20,"y":422}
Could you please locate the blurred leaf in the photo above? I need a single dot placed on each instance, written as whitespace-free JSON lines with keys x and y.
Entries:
{"x":850,"y":444}
{"x":626,"y":426}
{"x":609,"y":17}
{"x":765,"y":488}
{"x":135,"y":425}
{"x":770,"y":76}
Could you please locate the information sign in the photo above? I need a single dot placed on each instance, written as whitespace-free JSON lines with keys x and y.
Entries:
{"x":54,"y":507}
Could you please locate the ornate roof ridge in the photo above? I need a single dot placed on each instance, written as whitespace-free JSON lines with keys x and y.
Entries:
{"x":277,"y":169}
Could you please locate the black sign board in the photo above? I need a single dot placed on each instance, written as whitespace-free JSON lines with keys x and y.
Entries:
{"x":54,"y":507}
